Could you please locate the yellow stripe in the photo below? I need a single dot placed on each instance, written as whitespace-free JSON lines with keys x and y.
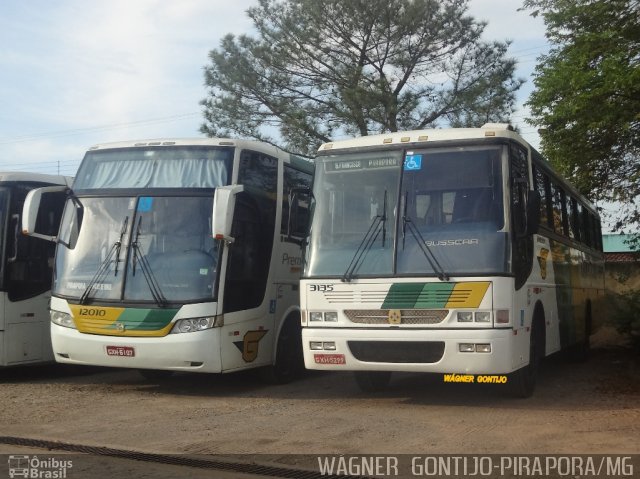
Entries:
{"x":467,"y":295}
{"x":102,"y":314}
{"x":100,"y":320}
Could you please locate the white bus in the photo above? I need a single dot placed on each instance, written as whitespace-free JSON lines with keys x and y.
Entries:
{"x":25,"y":271}
{"x":180,"y":255}
{"x":454,"y":251}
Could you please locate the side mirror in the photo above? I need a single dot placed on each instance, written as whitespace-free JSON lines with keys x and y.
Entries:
{"x":224,"y":202}
{"x":32,"y":211}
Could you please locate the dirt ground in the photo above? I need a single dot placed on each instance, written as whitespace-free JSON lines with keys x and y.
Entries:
{"x":578,"y":408}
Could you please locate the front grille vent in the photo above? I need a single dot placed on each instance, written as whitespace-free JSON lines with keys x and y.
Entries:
{"x":408,"y":316}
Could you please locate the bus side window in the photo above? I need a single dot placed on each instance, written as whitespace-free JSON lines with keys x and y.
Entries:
{"x":556,"y":209}
{"x":522,"y":242}
{"x":543,"y":188}
{"x":295,"y":223}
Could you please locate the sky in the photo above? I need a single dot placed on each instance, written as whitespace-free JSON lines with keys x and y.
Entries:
{"x":74,"y":73}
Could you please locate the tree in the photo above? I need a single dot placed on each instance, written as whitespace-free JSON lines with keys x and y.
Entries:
{"x":318,"y":70}
{"x":587,"y":98}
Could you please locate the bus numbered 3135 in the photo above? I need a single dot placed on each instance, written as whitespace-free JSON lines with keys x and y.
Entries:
{"x":453,"y":251}
{"x":180,"y":255}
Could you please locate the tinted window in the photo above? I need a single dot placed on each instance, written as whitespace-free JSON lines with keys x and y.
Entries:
{"x":296,"y":220}
{"x":542,"y":186}
{"x":30,"y":260}
{"x":557,"y":216}
{"x":253,"y":229}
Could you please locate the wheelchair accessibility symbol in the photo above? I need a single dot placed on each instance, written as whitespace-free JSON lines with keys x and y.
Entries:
{"x":413,"y":162}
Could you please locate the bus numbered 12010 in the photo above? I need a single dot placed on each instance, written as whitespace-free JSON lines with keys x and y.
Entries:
{"x":455,"y":251}
{"x":25,"y":270}
{"x":180,"y":255}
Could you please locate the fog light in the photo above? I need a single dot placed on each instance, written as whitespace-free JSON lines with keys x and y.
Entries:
{"x":315,"y":316}
{"x":331,"y":316}
{"x":483,"y":317}
{"x":329,"y":346}
{"x":483,"y":348}
{"x":466,"y":347}
{"x":315,"y":346}
{"x":465,"y":316}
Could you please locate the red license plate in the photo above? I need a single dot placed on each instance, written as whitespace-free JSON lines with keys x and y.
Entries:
{"x":329,"y":359}
{"x":124,"y":351}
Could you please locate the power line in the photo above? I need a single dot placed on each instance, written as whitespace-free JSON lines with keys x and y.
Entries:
{"x":115,"y":126}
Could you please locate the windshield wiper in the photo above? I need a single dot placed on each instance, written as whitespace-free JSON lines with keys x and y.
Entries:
{"x":152,"y":282}
{"x":415,"y":232}
{"x":367,"y":242}
{"x":104,"y":265}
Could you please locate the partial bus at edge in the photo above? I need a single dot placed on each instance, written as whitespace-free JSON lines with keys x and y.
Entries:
{"x":25,"y":271}
{"x":181,"y":255}
{"x":452,"y":251}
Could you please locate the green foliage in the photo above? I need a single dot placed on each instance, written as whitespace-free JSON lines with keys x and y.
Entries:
{"x":318,"y":70}
{"x":626,"y":315}
{"x":587,"y":98}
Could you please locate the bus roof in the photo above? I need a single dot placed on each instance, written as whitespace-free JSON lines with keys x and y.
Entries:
{"x":253,"y":144}
{"x":491,"y":130}
{"x":23,"y":176}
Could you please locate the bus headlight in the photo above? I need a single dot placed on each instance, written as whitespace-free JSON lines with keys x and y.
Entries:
{"x":191,"y":325}
{"x":465,"y":316}
{"x":331,"y":316}
{"x":326,"y":316}
{"x":62,"y":319}
{"x":482,"y":316}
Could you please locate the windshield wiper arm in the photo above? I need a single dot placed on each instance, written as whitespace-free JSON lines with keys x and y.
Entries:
{"x":415,"y":232}
{"x":104,"y":265}
{"x":152,"y":282}
{"x":367,"y":242}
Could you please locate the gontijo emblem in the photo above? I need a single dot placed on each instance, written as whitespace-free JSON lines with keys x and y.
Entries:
{"x":395,"y":316}
{"x":249,"y":344}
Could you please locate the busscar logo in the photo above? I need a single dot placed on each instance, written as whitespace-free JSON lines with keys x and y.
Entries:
{"x":249,"y":344}
{"x":453,"y":242}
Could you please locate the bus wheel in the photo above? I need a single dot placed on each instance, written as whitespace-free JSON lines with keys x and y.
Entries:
{"x":372,"y":381}
{"x":155,"y":374}
{"x":289,"y":362}
{"x":523,"y":381}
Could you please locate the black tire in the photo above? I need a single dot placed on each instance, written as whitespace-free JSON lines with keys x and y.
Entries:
{"x":523,"y":381}
{"x":155,"y":374}
{"x":289,"y":361}
{"x":372,"y":381}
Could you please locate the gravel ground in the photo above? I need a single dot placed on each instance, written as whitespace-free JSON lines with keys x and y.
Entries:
{"x":578,"y":408}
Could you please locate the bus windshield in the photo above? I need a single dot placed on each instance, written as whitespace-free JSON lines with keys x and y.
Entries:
{"x":452,"y":198}
{"x":431,"y":212}
{"x":357,"y":195}
{"x":137,"y":248}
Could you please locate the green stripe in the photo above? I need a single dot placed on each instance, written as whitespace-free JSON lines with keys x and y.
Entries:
{"x":434,"y":295}
{"x":417,"y":295}
{"x":145,"y":319}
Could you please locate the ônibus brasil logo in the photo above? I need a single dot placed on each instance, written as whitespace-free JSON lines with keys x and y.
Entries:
{"x":32,"y":467}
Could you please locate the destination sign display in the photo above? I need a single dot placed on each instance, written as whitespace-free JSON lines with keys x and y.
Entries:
{"x":335,"y":166}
